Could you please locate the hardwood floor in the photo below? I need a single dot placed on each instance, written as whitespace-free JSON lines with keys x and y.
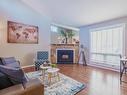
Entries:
{"x":98,"y":81}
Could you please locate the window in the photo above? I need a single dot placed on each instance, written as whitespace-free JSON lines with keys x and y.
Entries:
{"x":107,"y":44}
{"x":54,"y":28}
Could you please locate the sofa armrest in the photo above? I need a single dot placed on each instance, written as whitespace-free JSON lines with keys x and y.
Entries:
{"x":13,"y":90}
{"x":32,"y":87}
{"x":18,"y":62}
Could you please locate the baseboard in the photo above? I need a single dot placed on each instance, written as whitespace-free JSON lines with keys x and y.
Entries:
{"x":94,"y":65}
{"x":104,"y":67}
{"x":27,"y":66}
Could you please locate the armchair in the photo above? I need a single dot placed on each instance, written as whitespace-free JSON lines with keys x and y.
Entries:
{"x":123,"y":67}
{"x":42,"y":56}
{"x":10,"y":72}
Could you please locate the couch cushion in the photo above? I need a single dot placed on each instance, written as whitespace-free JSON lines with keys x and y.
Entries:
{"x":8,"y":60}
{"x":16,"y":75}
{"x":1,"y":63}
{"x":4,"y":81}
{"x":11,"y":62}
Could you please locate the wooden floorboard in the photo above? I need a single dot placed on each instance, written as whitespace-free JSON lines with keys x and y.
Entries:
{"x":98,"y":81}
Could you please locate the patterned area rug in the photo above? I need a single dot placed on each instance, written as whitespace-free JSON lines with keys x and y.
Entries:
{"x":66,"y":85}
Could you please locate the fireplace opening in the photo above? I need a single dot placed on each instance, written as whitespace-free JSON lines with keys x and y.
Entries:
{"x":65,"y":56}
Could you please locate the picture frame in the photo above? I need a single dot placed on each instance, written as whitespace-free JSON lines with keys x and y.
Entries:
{"x":22,"y":33}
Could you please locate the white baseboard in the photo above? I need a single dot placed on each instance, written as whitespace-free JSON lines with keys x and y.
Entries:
{"x":27,"y":66}
{"x":95,"y":65}
{"x":104,"y":67}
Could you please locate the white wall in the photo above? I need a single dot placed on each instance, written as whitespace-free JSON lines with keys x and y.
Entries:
{"x":54,"y":38}
{"x":15,"y":10}
{"x":84,"y":34}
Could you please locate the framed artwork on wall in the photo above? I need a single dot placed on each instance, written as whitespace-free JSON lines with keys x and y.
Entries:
{"x":22,"y":33}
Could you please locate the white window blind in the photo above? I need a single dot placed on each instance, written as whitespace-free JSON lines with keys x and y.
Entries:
{"x":107,"y":44}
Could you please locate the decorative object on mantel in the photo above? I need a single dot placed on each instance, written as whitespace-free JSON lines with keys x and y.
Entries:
{"x":82,"y":55}
{"x":22,"y":33}
{"x":67,"y":35}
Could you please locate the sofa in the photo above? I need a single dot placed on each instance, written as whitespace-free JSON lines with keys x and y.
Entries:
{"x":14,"y":82}
{"x":33,"y":87}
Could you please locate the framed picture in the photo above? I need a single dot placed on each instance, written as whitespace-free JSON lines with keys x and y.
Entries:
{"x":22,"y":33}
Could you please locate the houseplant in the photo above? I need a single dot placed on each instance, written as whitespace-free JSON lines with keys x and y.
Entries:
{"x":66,"y":34}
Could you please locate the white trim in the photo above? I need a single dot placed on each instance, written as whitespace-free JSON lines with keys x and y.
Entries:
{"x":68,"y":27}
{"x":104,"y":67}
{"x":66,"y":49}
{"x":107,"y":27}
{"x":27,"y":66}
{"x":124,"y":40}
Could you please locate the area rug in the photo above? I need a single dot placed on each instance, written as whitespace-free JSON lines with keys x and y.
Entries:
{"x":66,"y":85}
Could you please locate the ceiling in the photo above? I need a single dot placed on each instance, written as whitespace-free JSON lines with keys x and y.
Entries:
{"x":78,"y":13}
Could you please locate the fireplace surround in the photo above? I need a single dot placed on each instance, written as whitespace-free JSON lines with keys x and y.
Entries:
{"x":55,"y":47}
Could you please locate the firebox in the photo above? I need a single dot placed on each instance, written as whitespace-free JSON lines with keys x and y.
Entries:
{"x":65,"y":56}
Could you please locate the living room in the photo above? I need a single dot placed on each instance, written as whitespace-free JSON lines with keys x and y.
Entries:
{"x":83,"y":44}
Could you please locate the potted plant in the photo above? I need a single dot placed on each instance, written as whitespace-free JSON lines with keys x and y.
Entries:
{"x":67,"y":34}
{"x":70,"y":35}
{"x":53,"y":65}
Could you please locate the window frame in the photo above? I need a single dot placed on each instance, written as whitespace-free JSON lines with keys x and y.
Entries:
{"x":104,"y":28}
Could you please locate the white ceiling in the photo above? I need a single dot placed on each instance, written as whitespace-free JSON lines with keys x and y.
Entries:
{"x":79,"y":12}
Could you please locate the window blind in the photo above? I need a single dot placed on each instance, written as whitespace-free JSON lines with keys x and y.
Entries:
{"x":107,"y":45}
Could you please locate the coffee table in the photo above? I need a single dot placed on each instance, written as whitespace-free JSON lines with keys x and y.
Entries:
{"x":44,"y":69}
{"x":53,"y":73}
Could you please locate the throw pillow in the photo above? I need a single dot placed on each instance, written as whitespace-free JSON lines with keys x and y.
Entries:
{"x":8,"y":60}
{"x":11,"y":62}
{"x":4,"y":81}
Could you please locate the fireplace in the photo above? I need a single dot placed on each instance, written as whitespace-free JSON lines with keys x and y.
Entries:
{"x":65,"y":56}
